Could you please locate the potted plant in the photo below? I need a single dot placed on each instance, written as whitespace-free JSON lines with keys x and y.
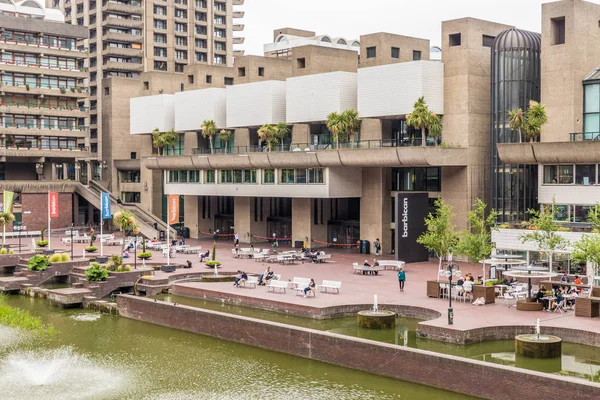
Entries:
{"x":91,"y":248}
{"x":38,"y":263}
{"x":27,"y":86}
{"x":213,"y":262}
{"x":96,"y":273}
{"x":42,"y":242}
{"x":144,"y":255}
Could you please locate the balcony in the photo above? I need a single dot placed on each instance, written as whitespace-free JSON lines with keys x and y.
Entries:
{"x":238,"y":2}
{"x":43,"y":151}
{"x":123,"y":66}
{"x":36,"y":46}
{"x":123,"y":37}
{"x":43,"y":69}
{"x":36,"y":109}
{"x":238,"y":27}
{"x":122,"y":52}
{"x":239,"y":53}
{"x":36,"y":129}
{"x":584,"y":136}
{"x":79,"y":92}
{"x":238,"y":40}
{"x":123,"y":23}
{"x":573,"y":152}
{"x":123,"y":8}
{"x":238,"y":14}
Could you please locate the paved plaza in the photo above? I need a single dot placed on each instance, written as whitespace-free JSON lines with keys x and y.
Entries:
{"x":356,"y":289}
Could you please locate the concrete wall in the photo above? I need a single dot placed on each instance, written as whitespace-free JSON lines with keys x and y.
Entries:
{"x":255,"y":104}
{"x":319,"y":60}
{"x":195,"y":106}
{"x":244,"y":219}
{"x":411,"y":365}
{"x":383,"y":42}
{"x":152,"y":112}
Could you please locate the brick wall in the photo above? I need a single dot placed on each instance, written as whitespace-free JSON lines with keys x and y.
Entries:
{"x":471,"y":377}
{"x":37,"y":203}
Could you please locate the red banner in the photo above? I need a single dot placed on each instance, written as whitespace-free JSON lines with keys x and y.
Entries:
{"x":173,"y":209}
{"x":53,"y":204}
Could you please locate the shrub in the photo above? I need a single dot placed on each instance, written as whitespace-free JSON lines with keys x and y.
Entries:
{"x":213,"y":263}
{"x":504,"y":226}
{"x":64,"y":257}
{"x":3,"y":250}
{"x":120,"y":268}
{"x":41,"y":243}
{"x":91,"y":249}
{"x":54,"y":258}
{"x":144,"y":255}
{"x":11,"y":252}
{"x":96,"y":273}
{"x":127,"y":268}
{"x":116,"y":261}
{"x":38,"y":263}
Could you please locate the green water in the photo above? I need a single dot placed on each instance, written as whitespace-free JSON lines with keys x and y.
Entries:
{"x":577,"y":360}
{"x":107,"y":357}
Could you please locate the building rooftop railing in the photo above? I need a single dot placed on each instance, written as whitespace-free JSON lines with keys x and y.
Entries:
{"x":363,"y":144}
{"x":584,"y":136}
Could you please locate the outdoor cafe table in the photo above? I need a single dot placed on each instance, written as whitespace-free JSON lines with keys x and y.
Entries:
{"x":552,"y":284}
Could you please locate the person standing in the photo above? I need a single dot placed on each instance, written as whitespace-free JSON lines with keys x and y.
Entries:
{"x":377,"y":245}
{"x":401,"y":278}
{"x":236,"y":239}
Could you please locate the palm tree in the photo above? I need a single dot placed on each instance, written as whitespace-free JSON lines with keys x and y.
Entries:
{"x":267,"y":134}
{"x":157,"y":140}
{"x":420,"y":118}
{"x":126,"y":223}
{"x":435,"y":127}
{"x":351,"y":123}
{"x":225,"y":136}
{"x":335,"y":124}
{"x":170,"y":139}
{"x":282,"y":130}
{"x":516,"y":121}
{"x":209,"y":129}
{"x":536,"y":118}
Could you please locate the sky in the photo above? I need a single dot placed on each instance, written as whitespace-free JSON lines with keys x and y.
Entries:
{"x":351,"y":18}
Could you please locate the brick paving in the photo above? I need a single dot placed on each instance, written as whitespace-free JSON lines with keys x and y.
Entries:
{"x":357,"y":289}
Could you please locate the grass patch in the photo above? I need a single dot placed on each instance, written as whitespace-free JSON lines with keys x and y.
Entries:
{"x":17,"y":318}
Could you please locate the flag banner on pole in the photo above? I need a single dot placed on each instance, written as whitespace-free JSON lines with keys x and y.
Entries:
{"x":53,"y":204}
{"x":173,"y":209}
{"x":8,"y":201}
{"x":105,"y":205}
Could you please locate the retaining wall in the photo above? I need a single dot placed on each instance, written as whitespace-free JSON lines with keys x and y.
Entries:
{"x":461,"y":375}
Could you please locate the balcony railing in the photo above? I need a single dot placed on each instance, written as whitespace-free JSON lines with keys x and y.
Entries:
{"x":42,"y":43}
{"x":42,"y":106}
{"x":363,"y":144}
{"x":29,"y":146}
{"x":584,"y":136}
{"x":18,"y":125}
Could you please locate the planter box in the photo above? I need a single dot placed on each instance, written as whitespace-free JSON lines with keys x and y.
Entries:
{"x":526,"y":305}
{"x":433,"y":289}
{"x":587,"y":308}
{"x":48,"y":252}
{"x":168,"y":268}
{"x":487,"y":292}
{"x":101,"y":260}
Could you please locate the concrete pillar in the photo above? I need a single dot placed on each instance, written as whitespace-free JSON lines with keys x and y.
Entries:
{"x":371,"y":129}
{"x":242,"y":138}
{"x":303,"y":217}
{"x":191,"y":212}
{"x":376,"y":207}
{"x":207,"y":207}
{"x":300,"y":133}
{"x":246,"y":222}
{"x":454,"y":184}
{"x":190,"y":142}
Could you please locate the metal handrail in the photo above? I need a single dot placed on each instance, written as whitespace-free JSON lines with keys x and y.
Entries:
{"x":584,"y":136}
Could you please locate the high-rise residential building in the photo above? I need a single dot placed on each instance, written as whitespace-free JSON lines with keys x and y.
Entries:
{"x":43,"y":109}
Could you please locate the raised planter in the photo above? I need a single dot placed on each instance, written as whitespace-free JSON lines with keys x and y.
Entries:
{"x":487,"y":292}
{"x":218,"y":278}
{"x":48,"y":252}
{"x":168,"y":268}
{"x":101,"y":260}
{"x":433,"y":289}
{"x":527,"y":305}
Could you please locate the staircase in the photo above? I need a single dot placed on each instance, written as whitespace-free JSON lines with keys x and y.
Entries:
{"x":145,"y":220}
{"x":117,"y":281}
{"x":23,"y":276}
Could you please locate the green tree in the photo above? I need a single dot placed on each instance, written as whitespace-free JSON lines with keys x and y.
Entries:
{"x":441,"y":234}
{"x":424,"y":119}
{"x":351,"y":123}
{"x":528,"y":124}
{"x":545,"y":236}
{"x":476,"y":242}
{"x":127,"y":224}
{"x":158,"y":140}
{"x":516,"y":121}
{"x":336,"y":126}
{"x":282,"y":130}
{"x":267,"y":133}
{"x":6,"y":218}
{"x":209,"y":129}
{"x":225,"y":137}
{"x":170,"y":139}
{"x":587,"y":249}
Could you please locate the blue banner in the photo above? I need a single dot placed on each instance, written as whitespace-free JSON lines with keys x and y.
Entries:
{"x":105,"y":205}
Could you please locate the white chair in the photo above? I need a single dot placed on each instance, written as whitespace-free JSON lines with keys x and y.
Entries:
{"x":560,"y":307}
{"x":443,"y":288}
{"x":468,"y":290}
{"x":509,"y":300}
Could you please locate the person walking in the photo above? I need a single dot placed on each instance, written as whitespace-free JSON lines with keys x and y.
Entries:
{"x":236,"y":239}
{"x":377,"y":245}
{"x":401,"y":279}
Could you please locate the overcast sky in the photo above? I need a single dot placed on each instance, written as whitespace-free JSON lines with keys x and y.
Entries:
{"x":351,"y":18}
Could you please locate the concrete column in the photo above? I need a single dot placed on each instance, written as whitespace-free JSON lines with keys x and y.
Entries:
{"x":371,"y":129}
{"x":376,"y":207}
{"x":191,"y":214}
{"x":454,"y":193}
{"x":207,"y":207}
{"x":303,"y":227}
{"x":301,"y":133}
{"x":242,"y":139}
{"x":244,"y":220}
{"x":190,"y":142}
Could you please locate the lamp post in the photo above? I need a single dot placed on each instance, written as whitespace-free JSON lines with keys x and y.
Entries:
{"x":72,"y":227}
{"x":452,"y":270}
{"x":135,"y":253}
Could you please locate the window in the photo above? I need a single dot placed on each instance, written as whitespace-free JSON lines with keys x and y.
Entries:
{"x":551,"y":174}
{"x":209,"y":79}
{"x":106,"y":91}
{"x":302,"y":176}
{"x":180,"y":27}
{"x":201,"y":30}
{"x":565,"y":174}
{"x":146,"y":85}
{"x":454,"y":39}
{"x":268,"y":176}
{"x":181,"y":41}
{"x":395,"y":52}
{"x":585,"y":174}
{"x":201,"y":43}
{"x":558,"y":30}
{"x":371,"y":52}
{"x":220,"y":20}
{"x":219,"y":59}
{"x":180,"y":68}
{"x":228,"y":81}
{"x":160,"y":24}
{"x":160,"y":38}
{"x":261,"y":71}
{"x":581,"y":213}
{"x":301,"y":62}
{"x":315,"y":175}
{"x":220,"y":33}
{"x":131,"y":197}
{"x":209,"y":176}
{"x":201,"y":57}
{"x":561,"y":212}
{"x":180,"y":13}
{"x":220,"y":46}
{"x":133,"y":155}
{"x":130,"y":176}
{"x":160,"y":52}
{"x":487,"y":41}
{"x":160,"y":10}
{"x":180,"y":55}
{"x":418,"y":179}
{"x":287,"y":175}
{"x":160,"y":66}
{"x":591,"y":112}
{"x":191,"y":79}
{"x":194,"y":176}
{"x":226,"y":176}
{"x":242,"y":71}
{"x":416,"y":55}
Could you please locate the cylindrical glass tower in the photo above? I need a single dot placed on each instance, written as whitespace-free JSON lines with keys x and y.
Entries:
{"x":515,"y":80}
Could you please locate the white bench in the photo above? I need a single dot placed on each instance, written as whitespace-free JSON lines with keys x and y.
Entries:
{"x":333,"y":285}
{"x":252,"y":281}
{"x":393,"y":264}
{"x":277,"y":284}
{"x":323,"y":258}
{"x":192,"y":250}
{"x":299,"y":282}
{"x":300,"y":292}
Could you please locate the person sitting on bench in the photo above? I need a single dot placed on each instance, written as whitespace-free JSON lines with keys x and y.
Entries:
{"x":266,"y":277}
{"x":203,"y":256}
{"x":311,"y":286}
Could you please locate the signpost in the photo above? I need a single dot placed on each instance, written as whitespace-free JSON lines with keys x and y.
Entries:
{"x":19,"y":227}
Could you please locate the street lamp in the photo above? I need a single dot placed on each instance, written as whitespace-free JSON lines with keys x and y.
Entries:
{"x":452,"y":270}
{"x":135,"y":253}
{"x":72,"y":226}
